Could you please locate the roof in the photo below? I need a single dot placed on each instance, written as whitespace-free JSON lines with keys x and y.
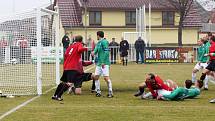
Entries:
{"x":204,"y":14}
{"x":71,"y":10}
{"x":127,"y":4}
{"x":70,"y":13}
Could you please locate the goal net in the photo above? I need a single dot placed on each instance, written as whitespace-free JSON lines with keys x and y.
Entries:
{"x":29,"y":57}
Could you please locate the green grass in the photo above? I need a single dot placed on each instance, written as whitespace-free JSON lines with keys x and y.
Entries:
{"x":123,"y":107}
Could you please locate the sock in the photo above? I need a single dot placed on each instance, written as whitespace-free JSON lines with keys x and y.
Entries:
{"x":193,"y":77}
{"x":123,"y":62}
{"x":141,"y":89}
{"x":109,"y":84}
{"x":58,"y":89}
{"x":206,"y":82}
{"x":93,"y":85}
{"x":202,"y":78}
{"x":64,"y":88}
{"x":97,"y":84}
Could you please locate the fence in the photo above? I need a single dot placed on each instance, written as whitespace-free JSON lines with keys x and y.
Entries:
{"x":153,"y":54}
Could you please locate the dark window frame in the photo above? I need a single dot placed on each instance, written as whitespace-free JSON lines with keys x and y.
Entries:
{"x":93,"y":22}
{"x":129,"y":13}
{"x":166,"y":21}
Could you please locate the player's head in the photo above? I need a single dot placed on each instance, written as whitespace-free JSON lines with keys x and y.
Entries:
{"x":78,"y":38}
{"x":188,"y":83}
{"x":209,"y":34}
{"x":212,"y":38}
{"x":100,"y":34}
{"x":200,"y":42}
{"x":150,"y":76}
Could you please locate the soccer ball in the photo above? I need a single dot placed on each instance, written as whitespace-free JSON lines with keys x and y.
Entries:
{"x":14,"y":61}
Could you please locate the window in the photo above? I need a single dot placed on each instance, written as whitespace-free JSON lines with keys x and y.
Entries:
{"x":95,"y":18}
{"x":168,"y":18}
{"x":130,"y":17}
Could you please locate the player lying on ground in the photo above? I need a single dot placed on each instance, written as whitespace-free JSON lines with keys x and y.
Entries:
{"x":181,"y":93}
{"x":73,"y":69}
{"x":153,"y":83}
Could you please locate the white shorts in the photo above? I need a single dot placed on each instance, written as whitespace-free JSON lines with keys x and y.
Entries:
{"x":199,"y":66}
{"x":102,"y":71}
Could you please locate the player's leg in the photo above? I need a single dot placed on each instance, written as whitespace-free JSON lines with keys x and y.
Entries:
{"x":142,"y":86}
{"x":204,"y":65}
{"x":105,"y":72}
{"x":126,"y":60}
{"x":195,"y":70}
{"x":98,"y":72}
{"x":137,"y":56}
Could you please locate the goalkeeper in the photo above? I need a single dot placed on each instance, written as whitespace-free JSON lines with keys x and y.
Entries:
{"x":73,"y":69}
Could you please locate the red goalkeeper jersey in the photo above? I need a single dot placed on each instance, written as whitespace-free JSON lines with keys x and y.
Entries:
{"x":159,"y":84}
{"x":212,"y":50}
{"x":72,"y":56}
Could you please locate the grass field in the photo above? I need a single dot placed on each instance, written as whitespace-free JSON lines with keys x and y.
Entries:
{"x":124,"y":106}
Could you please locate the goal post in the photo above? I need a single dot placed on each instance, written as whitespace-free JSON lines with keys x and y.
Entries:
{"x":29,"y":52}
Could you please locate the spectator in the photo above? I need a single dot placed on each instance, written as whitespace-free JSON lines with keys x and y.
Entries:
{"x":90,"y":44}
{"x":113,"y":50}
{"x":124,"y":47}
{"x":140,"y":48}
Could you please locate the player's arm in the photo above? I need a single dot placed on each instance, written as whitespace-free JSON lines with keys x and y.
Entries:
{"x":161,"y":83}
{"x":81,"y":48}
{"x":95,"y":51}
{"x":87,"y":63}
{"x":154,"y":94}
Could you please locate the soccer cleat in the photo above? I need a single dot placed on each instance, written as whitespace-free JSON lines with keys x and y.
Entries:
{"x":53,"y":97}
{"x":98,"y":95}
{"x":57,"y":98}
{"x":92,"y":91}
{"x":138,"y":94}
{"x":71,"y":90}
{"x":110,"y":95}
{"x":212,"y":101}
{"x":205,"y":88}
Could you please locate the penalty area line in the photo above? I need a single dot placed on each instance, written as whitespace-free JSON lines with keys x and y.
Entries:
{"x":30,"y":100}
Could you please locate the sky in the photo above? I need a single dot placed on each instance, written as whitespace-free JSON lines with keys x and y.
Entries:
{"x":9,"y":7}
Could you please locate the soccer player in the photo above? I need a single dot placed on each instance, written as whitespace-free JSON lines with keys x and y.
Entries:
{"x":183,"y":93}
{"x":202,"y":60}
{"x":153,"y":83}
{"x":71,"y":67}
{"x":103,"y":64}
{"x":211,"y":65}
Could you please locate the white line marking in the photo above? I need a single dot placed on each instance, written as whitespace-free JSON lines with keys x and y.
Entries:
{"x":30,"y":100}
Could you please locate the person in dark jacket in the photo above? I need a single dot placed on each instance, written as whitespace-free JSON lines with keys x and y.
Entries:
{"x":113,"y":50}
{"x":66,"y":42}
{"x":140,"y":48}
{"x":124,"y":47}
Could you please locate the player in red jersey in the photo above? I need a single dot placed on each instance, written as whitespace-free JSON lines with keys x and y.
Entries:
{"x":153,"y":83}
{"x":72,"y":67}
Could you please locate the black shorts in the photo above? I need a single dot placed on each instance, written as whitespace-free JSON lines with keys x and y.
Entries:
{"x":211,"y":65}
{"x":82,"y":78}
{"x":124,"y":54}
{"x":69,"y":76}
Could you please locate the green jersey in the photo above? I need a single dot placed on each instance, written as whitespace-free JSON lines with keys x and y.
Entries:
{"x":193,"y":92}
{"x":202,"y":50}
{"x":177,"y":94}
{"x":207,"y":46}
{"x":102,"y":52}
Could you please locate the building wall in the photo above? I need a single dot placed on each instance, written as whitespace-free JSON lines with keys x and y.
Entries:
{"x":117,"y":18}
{"x":159,"y":35}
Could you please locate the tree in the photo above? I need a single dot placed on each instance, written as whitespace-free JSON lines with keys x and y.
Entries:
{"x":183,"y":7}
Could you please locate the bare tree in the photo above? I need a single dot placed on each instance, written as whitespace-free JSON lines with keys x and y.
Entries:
{"x":183,"y":7}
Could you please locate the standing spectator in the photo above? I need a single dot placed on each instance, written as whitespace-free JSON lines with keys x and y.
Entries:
{"x":90,"y":44}
{"x":66,"y":42}
{"x":113,"y":50}
{"x":124,"y":47}
{"x":140,"y":48}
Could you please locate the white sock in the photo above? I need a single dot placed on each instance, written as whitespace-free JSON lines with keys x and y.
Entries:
{"x":193,"y":77}
{"x":206,"y":82}
{"x":97,"y":84}
{"x":109,"y":84}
